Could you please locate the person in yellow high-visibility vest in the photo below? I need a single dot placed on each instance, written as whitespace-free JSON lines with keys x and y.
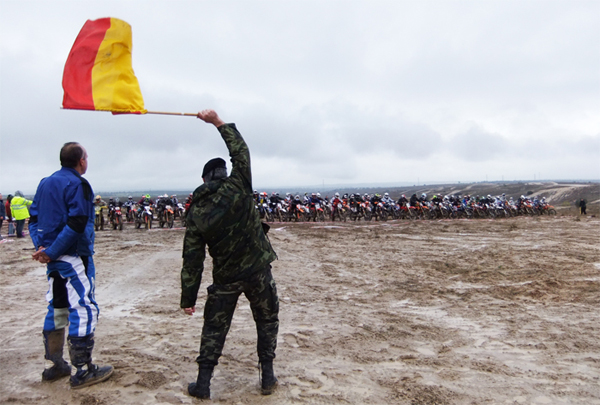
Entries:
{"x":18,"y":208}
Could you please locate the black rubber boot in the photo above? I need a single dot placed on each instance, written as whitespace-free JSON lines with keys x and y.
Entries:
{"x":201,"y":388}
{"x":80,"y":349}
{"x":268,"y":381}
{"x":54,"y":342}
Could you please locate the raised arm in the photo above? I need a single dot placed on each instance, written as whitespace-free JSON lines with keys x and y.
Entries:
{"x":238,"y":149}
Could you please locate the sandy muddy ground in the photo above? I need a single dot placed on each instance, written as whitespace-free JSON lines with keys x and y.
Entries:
{"x":431,"y":312}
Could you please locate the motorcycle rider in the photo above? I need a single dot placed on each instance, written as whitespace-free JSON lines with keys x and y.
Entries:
{"x":99,"y":202}
{"x":144,"y":202}
{"x":313,"y":200}
{"x":355,"y":205}
{"x":129,"y":204}
{"x":294,"y":205}
{"x":376,"y":201}
{"x":334,"y":204}
{"x":387,"y":200}
{"x":402,"y":200}
{"x":188,"y":201}
{"x":112,"y":204}
{"x":413,"y":200}
{"x":161,"y":204}
{"x":274,"y":200}
{"x":262,"y":200}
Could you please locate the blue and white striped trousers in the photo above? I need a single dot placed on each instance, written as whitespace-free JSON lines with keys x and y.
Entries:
{"x":70,"y":295}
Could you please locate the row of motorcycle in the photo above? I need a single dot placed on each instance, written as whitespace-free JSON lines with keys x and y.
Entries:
{"x":142,"y":216}
{"x":380,"y":211}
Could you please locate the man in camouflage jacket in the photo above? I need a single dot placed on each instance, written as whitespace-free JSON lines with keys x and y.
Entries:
{"x":222,"y":215}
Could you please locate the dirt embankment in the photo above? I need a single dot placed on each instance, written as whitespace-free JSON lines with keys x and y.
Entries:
{"x":423,"y":312}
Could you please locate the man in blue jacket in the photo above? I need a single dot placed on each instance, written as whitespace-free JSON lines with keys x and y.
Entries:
{"x":62,"y":231}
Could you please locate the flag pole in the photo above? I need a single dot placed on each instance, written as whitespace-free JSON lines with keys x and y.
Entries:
{"x":133,"y":113}
{"x":173,"y":113}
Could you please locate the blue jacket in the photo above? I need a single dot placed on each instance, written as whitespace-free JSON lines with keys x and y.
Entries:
{"x":62,"y":215}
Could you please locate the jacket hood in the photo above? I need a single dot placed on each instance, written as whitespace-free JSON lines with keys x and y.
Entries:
{"x":207,"y":189}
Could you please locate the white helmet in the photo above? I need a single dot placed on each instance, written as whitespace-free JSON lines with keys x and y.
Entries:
{"x":318,"y":194}
{"x":337,"y":194}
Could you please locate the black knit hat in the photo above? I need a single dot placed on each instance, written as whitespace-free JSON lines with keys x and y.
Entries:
{"x":212,"y":165}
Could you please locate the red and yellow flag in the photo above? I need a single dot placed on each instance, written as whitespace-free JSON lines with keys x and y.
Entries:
{"x":98,"y":74}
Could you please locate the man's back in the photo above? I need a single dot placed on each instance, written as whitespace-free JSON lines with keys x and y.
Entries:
{"x":63,"y":194}
{"x":222,"y":216}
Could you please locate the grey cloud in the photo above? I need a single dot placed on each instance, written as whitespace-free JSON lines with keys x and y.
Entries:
{"x":477,"y":144}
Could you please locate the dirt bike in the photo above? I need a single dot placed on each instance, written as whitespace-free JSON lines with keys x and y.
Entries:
{"x":99,"y":219}
{"x":180,"y":213}
{"x":547,"y":209}
{"x":326,"y":209}
{"x":477,"y":211}
{"x":379,"y":211}
{"x":115,"y":216}
{"x":166,"y":217}
{"x":315,"y":212}
{"x":299,"y":214}
{"x":404,"y":211}
{"x":439,"y":210}
{"x":395,"y":212}
{"x":499,"y":211}
{"x":130,"y":215}
{"x":417,"y":211}
{"x":269,"y":217}
{"x":367,"y":211}
{"x":281,"y":212}
{"x":425,"y":211}
{"x":264,"y":211}
{"x":354,"y":212}
{"x":339,"y":212}
{"x":144,"y":216}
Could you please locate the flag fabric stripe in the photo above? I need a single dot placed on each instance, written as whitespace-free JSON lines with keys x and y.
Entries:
{"x":113,"y":80}
{"x":77,"y":77}
{"x":98,"y":74}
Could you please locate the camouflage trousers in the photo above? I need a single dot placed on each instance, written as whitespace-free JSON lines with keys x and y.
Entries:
{"x":261,"y":291}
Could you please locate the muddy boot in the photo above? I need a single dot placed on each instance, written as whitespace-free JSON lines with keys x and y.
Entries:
{"x":54,"y":340}
{"x":268,"y":380}
{"x":201,"y":388}
{"x":80,"y":349}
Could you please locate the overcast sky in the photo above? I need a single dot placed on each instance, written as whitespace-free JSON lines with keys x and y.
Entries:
{"x":324,"y":92}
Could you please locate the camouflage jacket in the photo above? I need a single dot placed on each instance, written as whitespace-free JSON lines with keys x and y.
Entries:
{"x":222,"y":215}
